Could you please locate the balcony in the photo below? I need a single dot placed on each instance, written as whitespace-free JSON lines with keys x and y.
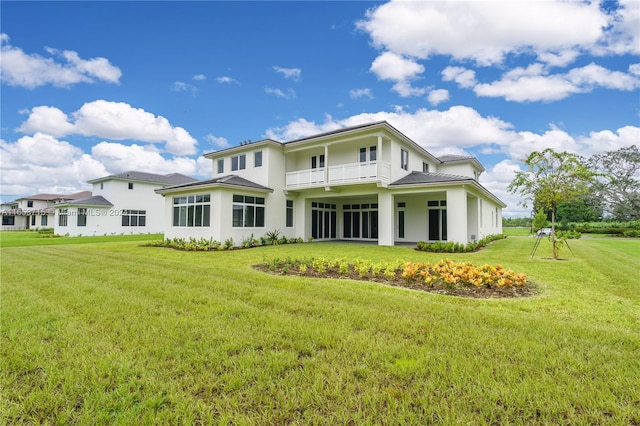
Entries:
{"x":344,"y":174}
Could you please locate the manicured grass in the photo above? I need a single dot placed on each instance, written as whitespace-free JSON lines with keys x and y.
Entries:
{"x":32,"y":238}
{"x":516,"y":232}
{"x":124,"y":334}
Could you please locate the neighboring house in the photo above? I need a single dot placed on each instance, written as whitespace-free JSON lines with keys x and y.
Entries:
{"x":363,"y":183}
{"x":35,"y":211}
{"x":123,"y":203}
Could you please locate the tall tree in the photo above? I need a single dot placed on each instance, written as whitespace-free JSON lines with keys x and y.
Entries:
{"x":552,"y":178}
{"x":618,"y":181}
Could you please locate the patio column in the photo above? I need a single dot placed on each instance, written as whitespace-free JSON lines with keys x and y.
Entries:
{"x":326,"y":164}
{"x":386,"y":223}
{"x":457,"y":215}
{"x":378,"y":158}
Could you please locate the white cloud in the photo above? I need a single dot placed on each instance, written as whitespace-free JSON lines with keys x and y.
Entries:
{"x":534,"y":84}
{"x":112,"y":120}
{"x":199,"y":77}
{"x":292,"y":73}
{"x":49,"y":120}
{"x":179,"y":86}
{"x":289,"y":94}
{"x":218,"y":142}
{"x":361,"y":93}
{"x":42,"y":163}
{"x":392,"y":67}
{"x":486,"y":32}
{"x":32,"y":70}
{"x":464,"y":77}
{"x":226,"y":79}
{"x":438,"y":96}
{"x":117,"y":157}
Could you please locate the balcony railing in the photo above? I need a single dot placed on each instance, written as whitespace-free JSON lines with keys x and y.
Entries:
{"x":343,"y":174}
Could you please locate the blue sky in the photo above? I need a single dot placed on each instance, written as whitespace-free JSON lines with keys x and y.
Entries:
{"x":96,"y":88}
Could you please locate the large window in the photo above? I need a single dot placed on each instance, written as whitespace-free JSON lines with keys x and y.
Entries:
{"x":44,"y":219}
{"x":323,"y":220}
{"x":82,"y":217}
{"x":190,"y":210}
{"x":257,"y":159}
{"x":63,"y":214}
{"x":221,"y":165}
{"x":289,"y":213}
{"x":248,"y":211}
{"x":404,"y":159}
{"x":360,"y":220}
{"x":134,"y":217}
{"x":239,"y":162}
{"x":8,"y":220}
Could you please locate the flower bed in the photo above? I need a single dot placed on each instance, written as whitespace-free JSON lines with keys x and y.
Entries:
{"x":446,"y":277}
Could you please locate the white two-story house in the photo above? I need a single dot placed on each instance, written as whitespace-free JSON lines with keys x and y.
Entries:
{"x":364,"y":183}
{"x":34,"y":211}
{"x":124,"y":203}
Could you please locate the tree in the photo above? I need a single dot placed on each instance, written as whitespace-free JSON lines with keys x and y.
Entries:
{"x":552,"y":178}
{"x":618,"y":181}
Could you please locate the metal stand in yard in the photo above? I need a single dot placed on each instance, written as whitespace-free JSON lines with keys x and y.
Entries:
{"x":537,"y":244}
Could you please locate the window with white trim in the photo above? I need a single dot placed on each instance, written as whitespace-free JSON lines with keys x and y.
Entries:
{"x":257,"y":159}
{"x":289,"y":218}
{"x":63,"y":214}
{"x":221,"y":165}
{"x":238,"y":162}
{"x":317,"y":161}
{"x":404,"y":159}
{"x":248,"y":211}
{"x":192,"y":210}
{"x":82,"y":216}
{"x":134,"y":217}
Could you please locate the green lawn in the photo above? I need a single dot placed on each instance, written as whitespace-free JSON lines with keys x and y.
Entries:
{"x":32,"y":238}
{"x":122,"y":334}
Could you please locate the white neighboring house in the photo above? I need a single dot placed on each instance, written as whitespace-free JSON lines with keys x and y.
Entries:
{"x":123,"y":203}
{"x":35,"y":211}
{"x":364,"y":183}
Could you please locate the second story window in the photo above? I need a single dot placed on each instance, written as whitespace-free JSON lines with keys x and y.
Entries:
{"x":29,"y":203}
{"x":372,"y":154}
{"x":425,"y":167}
{"x":317,"y":161}
{"x":130,"y":185}
{"x":257,"y":159}
{"x":221,"y":165}
{"x":239,"y":162}
{"x":404,"y":159}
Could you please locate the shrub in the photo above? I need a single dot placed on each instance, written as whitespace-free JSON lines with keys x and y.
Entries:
{"x":451,"y":247}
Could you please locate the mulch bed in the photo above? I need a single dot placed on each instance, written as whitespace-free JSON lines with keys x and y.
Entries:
{"x":459,"y":291}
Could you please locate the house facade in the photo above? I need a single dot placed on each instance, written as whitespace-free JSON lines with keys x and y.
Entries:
{"x":35,"y":211}
{"x":124,"y":203}
{"x":363,"y":183}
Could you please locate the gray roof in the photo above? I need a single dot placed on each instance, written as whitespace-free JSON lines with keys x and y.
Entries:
{"x":170,"y":179}
{"x":418,"y":178}
{"x":449,"y":158}
{"x":231,"y":180}
{"x":96,"y":200}
{"x":341,"y":130}
{"x":42,"y":197}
